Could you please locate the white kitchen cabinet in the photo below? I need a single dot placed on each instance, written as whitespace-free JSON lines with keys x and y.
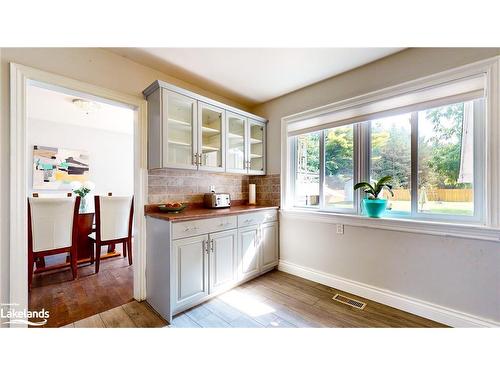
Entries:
{"x":246,"y":145}
{"x":211,"y":138}
{"x":256,"y":147}
{"x":223,"y":256}
{"x":236,"y":143}
{"x":190,"y":258}
{"x":248,"y":255}
{"x":190,"y":131}
{"x":172,"y":131}
{"x":190,"y":261}
{"x":269,"y":246}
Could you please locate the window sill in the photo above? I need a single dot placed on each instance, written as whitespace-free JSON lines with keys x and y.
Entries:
{"x":478,"y":232}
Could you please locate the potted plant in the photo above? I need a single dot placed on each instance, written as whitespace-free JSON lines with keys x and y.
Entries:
{"x":373,"y":205}
{"x":82,"y":190}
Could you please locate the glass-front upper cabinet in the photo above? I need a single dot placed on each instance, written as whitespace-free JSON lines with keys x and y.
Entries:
{"x":211,"y":137}
{"x":256,"y":147}
{"x":236,"y":144}
{"x":179,"y":131}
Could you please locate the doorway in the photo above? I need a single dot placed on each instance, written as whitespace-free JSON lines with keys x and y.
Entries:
{"x":107,"y":127}
{"x":75,"y":142}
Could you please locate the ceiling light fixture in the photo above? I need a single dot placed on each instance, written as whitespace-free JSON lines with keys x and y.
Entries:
{"x":86,"y":105}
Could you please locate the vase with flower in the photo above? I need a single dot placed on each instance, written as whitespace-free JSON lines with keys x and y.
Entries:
{"x":82,"y":189}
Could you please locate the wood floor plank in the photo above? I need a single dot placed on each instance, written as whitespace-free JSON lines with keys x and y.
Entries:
{"x":244,"y":321}
{"x":212,"y":321}
{"x":289,"y":290}
{"x":70,"y":300}
{"x":184,"y":321}
{"x":117,"y":318}
{"x":198,"y":312}
{"x":142,"y":315}
{"x":222,"y":309}
{"x":93,"y":321}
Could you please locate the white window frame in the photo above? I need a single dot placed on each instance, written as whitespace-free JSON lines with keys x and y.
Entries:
{"x":483,"y":225}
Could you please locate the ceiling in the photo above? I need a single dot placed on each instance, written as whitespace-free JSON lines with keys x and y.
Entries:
{"x":252,"y":76}
{"x":56,"y":106}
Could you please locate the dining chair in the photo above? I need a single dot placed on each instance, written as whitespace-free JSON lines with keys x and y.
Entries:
{"x":52,"y":229}
{"x":113,"y":217}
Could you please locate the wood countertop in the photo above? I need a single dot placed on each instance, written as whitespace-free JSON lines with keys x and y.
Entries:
{"x":197,"y":212}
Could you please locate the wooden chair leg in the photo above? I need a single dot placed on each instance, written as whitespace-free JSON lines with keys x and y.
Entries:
{"x":129,"y":247}
{"x":74,"y":262}
{"x":31,"y":269}
{"x":97,"y":256}
{"x":124,"y":247}
{"x":91,"y":245}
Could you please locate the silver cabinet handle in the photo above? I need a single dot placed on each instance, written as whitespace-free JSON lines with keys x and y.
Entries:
{"x":212,"y":245}
{"x":194,"y":160}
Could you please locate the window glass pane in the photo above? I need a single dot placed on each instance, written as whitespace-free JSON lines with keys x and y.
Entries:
{"x":446,"y":160}
{"x":390,"y":154}
{"x":307,"y":169}
{"x":339,"y":164}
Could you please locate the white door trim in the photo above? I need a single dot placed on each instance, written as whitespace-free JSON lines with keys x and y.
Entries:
{"x":19,"y":77}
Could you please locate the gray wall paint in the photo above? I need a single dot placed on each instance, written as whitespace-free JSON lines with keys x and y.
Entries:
{"x":455,"y":273}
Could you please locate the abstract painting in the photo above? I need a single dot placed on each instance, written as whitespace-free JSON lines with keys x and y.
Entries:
{"x":55,"y":168}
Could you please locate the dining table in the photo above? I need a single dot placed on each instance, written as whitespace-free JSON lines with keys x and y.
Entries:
{"x":84,"y":245}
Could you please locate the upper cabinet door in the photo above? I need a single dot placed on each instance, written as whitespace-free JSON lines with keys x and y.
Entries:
{"x":179,"y":131}
{"x":211,"y":137}
{"x":256,"y":144}
{"x":236,"y":143}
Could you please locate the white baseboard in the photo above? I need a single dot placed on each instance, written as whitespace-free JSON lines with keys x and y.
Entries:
{"x":421,"y":308}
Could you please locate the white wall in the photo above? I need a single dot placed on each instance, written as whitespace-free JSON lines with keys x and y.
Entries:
{"x":455,"y":273}
{"x":111,"y":154}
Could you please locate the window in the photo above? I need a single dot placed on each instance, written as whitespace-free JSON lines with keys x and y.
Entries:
{"x":429,"y":151}
{"x":390,"y":154}
{"x":307,"y":168}
{"x":339,"y":167}
{"x":446,"y":160}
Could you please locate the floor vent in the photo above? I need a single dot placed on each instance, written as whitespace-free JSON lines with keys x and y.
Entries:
{"x":349,"y":301}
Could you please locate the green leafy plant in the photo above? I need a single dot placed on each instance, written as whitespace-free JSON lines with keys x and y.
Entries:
{"x":374,"y":190}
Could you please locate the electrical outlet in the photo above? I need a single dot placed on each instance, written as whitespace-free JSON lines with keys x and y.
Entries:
{"x":340,"y":228}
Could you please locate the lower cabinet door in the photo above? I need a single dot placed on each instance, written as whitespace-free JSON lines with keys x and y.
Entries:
{"x":223,"y":254}
{"x":269,"y":246}
{"x":190,"y":279}
{"x":248,"y":252}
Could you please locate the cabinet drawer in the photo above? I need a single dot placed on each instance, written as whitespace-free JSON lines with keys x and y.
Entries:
{"x":197,"y":227}
{"x":257,"y":218}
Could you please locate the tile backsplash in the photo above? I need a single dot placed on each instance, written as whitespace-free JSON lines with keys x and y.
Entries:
{"x":267,"y":189}
{"x":189,"y":186}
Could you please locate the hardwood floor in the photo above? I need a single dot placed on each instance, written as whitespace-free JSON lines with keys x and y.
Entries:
{"x":131,"y":315}
{"x":72,"y":300}
{"x":274,"y":300}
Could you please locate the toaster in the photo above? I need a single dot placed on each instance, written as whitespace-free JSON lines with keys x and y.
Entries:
{"x":217,"y":200}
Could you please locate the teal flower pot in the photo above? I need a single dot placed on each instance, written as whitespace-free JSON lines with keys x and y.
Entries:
{"x":374,"y":207}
